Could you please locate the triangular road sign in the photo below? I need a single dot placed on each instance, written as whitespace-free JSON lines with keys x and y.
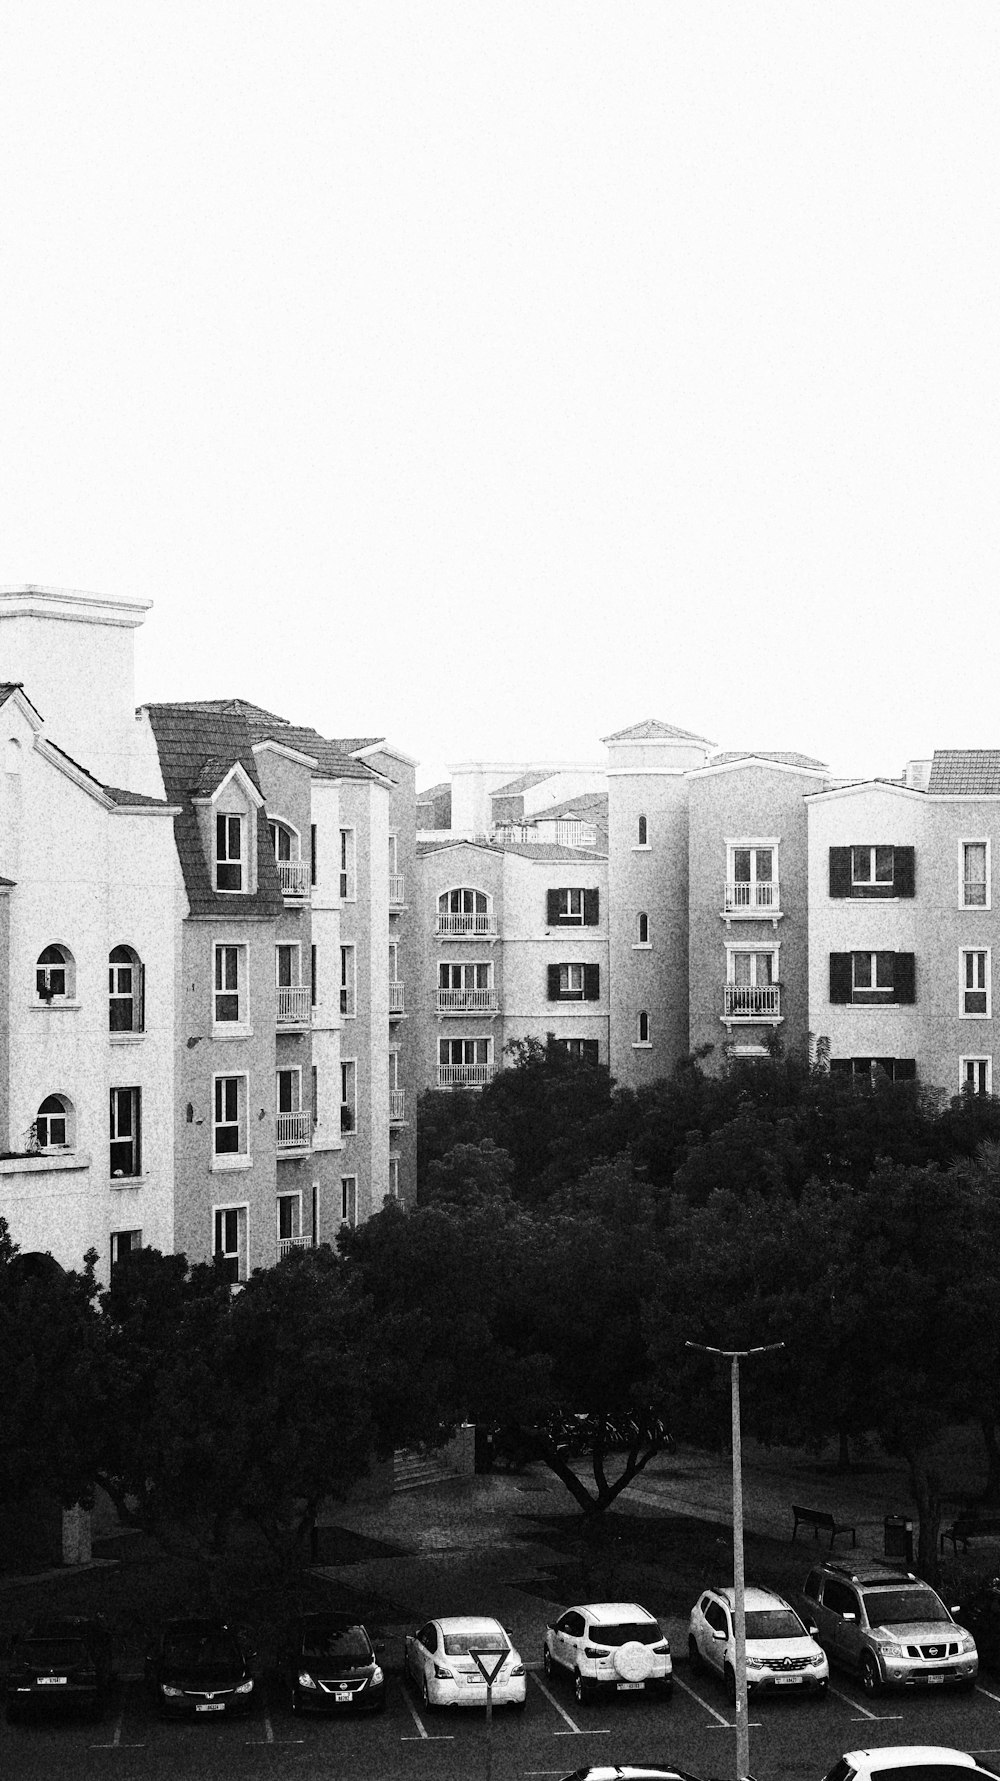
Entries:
{"x":489,"y":1672}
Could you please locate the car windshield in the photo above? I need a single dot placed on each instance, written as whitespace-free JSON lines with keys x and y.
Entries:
{"x":897,"y":1607}
{"x":461,"y":1644}
{"x":621,"y":1632}
{"x":774,"y":1623}
{"x":52,"y":1654}
{"x":346,"y":1644}
{"x":194,"y":1650}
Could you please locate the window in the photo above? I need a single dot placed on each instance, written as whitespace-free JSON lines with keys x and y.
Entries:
{"x":54,"y":1124}
{"x":347,"y":865}
{"x":229,"y":1116}
{"x":870,"y":870}
{"x":281,"y":841}
{"x":642,"y":1028}
{"x":230,"y":977}
{"x":897,"y":1069}
{"x":349,"y":1199}
{"x":313,"y":978}
{"x":397,"y":1094}
{"x":465,"y":986}
{"x":642,"y":929}
{"x":975,"y":984}
{"x":464,"y":1063}
{"x":643,"y":833}
{"x":290,"y":866}
{"x":974,"y":885}
{"x":586,"y":1051}
{"x":126,"y":1128}
{"x":124,"y":1243}
{"x":464,"y":911}
{"x":125,"y":991}
{"x":751,"y":877}
{"x":393,"y":1177}
{"x":348,"y":1097}
{"x":293,"y":1125}
{"x":229,"y":1241}
{"x":287,"y":965}
{"x":348,"y":981}
{"x":289,"y":1090}
{"x":868,"y":979}
{"x":574,"y":983}
{"x":572,"y":908}
{"x":752,"y":991}
{"x":975,"y":1075}
{"x":289,"y":1217}
{"x":229,"y":853}
{"x":55,"y":975}
{"x":314,"y":1068}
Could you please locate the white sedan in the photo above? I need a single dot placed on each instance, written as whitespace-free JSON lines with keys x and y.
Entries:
{"x":440,"y":1662}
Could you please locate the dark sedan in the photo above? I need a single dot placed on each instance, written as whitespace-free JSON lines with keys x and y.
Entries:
{"x":328,"y":1664}
{"x":199,"y":1666}
{"x":59,"y":1665}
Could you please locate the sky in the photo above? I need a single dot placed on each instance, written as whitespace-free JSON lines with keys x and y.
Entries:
{"x":492,"y":377}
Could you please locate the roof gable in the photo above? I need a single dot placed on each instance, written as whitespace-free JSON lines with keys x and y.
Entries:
{"x":652,"y":730}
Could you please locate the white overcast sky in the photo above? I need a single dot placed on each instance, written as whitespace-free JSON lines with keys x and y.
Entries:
{"x":492,"y":376}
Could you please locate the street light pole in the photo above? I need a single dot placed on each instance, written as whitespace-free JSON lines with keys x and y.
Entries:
{"x":734,"y":1356}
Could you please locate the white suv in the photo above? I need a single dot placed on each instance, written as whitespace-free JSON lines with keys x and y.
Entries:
{"x":908,"y":1762}
{"x":781,"y":1652}
{"x":613,"y":1646}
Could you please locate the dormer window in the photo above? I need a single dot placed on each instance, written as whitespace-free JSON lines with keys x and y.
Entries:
{"x":229,"y":852}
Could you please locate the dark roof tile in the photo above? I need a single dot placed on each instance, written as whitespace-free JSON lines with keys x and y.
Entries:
{"x":965,"y":772}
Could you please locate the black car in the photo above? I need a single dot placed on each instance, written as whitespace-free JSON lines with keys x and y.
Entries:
{"x":328,"y":1664}
{"x":200,"y":1666}
{"x":58,"y":1665}
{"x":980,"y":1614}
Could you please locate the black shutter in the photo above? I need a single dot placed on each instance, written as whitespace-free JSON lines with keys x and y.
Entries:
{"x":139,"y":1006}
{"x":591,"y":908}
{"x":591,"y":983}
{"x":903,"y":872}
{"x":840,"y":873}
{"x":551,"y":908}
{"x":554,"y":995}
{"x":904,"y":978}
{"x":904,"y":1069}
{"x":841,"y":977}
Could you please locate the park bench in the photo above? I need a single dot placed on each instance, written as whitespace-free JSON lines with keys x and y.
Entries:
{"x":972,"y":1523}
{"x":821,"y":1520}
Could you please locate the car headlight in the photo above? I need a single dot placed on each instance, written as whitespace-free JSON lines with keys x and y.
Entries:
{"x":173,"y":1694}
{"x":661,"y":1650}
{"x":755,"y":1663}
{"x":245,"y":1687}
{"x":815,"y":1662}
{"x":888,"y":1649}
{"x":305,"y":1680}
{"x":966,"y":1643}
{"x":377,"y":1674}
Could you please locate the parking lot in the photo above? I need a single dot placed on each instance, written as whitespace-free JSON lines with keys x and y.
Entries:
{"x":798,"y":1739}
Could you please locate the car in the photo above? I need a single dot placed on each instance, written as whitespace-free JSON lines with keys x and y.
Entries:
{"x":609,"y":1647}
{"x":908,"y":1762}
{"x":980,"y":1615}
{"x":327,"y":1663}
{"x":780,"y":1651}
{"x":439,"y":1662}
{"x":629,"y":1771}
{"x":888,"y":1627}
{"x":198,"y":1666}
{"x":60,"y":1664}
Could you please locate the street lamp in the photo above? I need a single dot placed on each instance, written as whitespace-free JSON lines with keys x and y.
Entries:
{"x":734,"y":1356}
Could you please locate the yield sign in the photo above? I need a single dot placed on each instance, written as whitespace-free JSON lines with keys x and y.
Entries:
{"x":489,"y":1672}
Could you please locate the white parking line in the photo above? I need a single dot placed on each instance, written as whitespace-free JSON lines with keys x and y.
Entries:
{"x":697,"y":1697}
{"x":575,"y":1731}
{"x":438,"y":1738}
{"x":987,"y":1692}
{"x":116,"y":1737}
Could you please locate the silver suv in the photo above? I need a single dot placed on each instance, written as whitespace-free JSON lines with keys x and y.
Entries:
{"x":889,"y":1628}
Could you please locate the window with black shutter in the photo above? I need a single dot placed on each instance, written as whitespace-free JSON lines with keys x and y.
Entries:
{"x":591,"y":908}
{"x":840,"y":872}
{"x":871,"y":870}
{"x":905,"y":977}
{"x":841,"y":978}
{"x":553,"y":979}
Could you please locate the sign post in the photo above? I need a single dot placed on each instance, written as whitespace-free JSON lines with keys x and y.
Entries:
{"x":489,"y":1671}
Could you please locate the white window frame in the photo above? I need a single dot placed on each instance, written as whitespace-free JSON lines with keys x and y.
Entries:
{"x":393,"y":1175}
{"x":351,"y":1101}
{"x":641,"y":1043}
{"x":227,"y":859}
{"x":239,"y":1158}
{"x":393,"y":852}
{"x":753,"y":844}
{"x":348,"y":865}
{"x":963,"y":882}
{"x":348,"y":981}
{"x":241,"y":1252}
{"x":639,"y":944}
{"x":569,"y":916}
{"x":983,"y":952}
{"x":642,"y":827}
{"x":118,"y":997}
{"x":240,"y":1027}
{"x":68,"y":1117}
{"x":293,"y":1199}
{"x":134,"y":1092}
{"x":66,"y":997}
{"x":117,"y":1252}
{"x":963,"y":1083}
{"x":874,"y":848}
{"x":571,"y":991}
{"x":349,"y":1200}
{"x":288,"y":1070}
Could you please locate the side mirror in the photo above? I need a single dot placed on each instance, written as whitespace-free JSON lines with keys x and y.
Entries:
{"x":721,"y":1636}
{"x":812,"y":1630}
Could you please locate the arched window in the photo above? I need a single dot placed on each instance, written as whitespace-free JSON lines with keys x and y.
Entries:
{"x":465,"y":911}
{"x":126,"y":984}
{"x":54,"y":1124}
{"x":293,"y":871}
{"x":55,"y":975}
{"x":642,"y":928}
{"x":642,"y":1028}
{"x":643,"y":832}
{"x":284,"y":843}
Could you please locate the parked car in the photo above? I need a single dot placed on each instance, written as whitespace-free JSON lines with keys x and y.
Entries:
{"x":980,"y":1615}
{"x":439,"y":1662}
{"x":199,"y":1666}
{"x":58,"y":1665}
{"x":327,"y":1663}
{"x":630,"y":1771}
{"x":889,"y":1628}
{"x":780,"y":1651}
{"x":908,"y":1762}
{"x":610,"y":1647}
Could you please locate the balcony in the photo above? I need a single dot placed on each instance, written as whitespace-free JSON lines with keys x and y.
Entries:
{"x":294,"y":1004}
{"x":466,"y":927}
{"x":397,"y":887}
{"x":397,"y":1106}
{"x":293,"y":876}
{"x":467,"y":1001}
{"x":464,"y":1075}
{"x":287,"y":1243}
{"x":746,"y":1001}
{"x":396,"y":1007}
{"x":576,"y":834}
{"x":743,"y":898}
{"x":294,"y":1130}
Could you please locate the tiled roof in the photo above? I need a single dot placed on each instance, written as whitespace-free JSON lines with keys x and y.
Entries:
{"x":550,"y":850}
{"x":138,"y":800}
{"x":523,"y":783}
{"x":782,"y":757}
{"x":6,"y":688}
{"x":652,"y":730}
{"x":968,"y":772}
{"x":594,"y":803}
{"x":457,"y":841}
{"x":351,"y":744}
{"x":433,"y":791}
{"x":230,"y":708}
{"x":331,"y":760}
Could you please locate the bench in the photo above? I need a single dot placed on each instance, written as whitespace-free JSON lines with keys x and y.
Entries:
{"x":819,"y":1519}
{"x":970,"y":1524}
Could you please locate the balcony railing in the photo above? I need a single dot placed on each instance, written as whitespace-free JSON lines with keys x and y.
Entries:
{"x":467,"y":926}
{"x":287,"y":1243}
{"x":293,"y":1004}
{"x":746,"y":1001}
{"x":293,"y":876}
{"x":396,"y":999}
{"x":741,"y":895}
{"x":397,"y":1105}
{"x":467,"y":1001}
{"x":576,"y":834}
{"x":397,"y":887}
{"x":293,"y":1131}
{"x":464,"y":1075}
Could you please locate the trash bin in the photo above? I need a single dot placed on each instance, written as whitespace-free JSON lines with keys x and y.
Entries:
{"x":899,"y":1538}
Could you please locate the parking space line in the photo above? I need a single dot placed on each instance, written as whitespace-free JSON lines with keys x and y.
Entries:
{"x":116,"y":1736}
{"x":431,"y":1737}
{"x":554,"y":1703}
{"x":988,"y":1693}
{"x":697,"y":1697}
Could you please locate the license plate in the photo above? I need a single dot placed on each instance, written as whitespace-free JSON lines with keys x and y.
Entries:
{"x":210,"y":1707}
{"x":48,"y":1681}
{"x":786,"y":1681}
{"x":346,"y":1696}
{"x":622,"y":1685}
{"x":932,"y":1679}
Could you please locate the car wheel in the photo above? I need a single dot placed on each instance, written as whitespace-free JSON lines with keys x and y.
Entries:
{"x":581,"y":1689}
{"x":428,"y":1704}
{"x":694,"y":1655}
{"x":871,"y":1680}
{"x":730,"y":1681}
